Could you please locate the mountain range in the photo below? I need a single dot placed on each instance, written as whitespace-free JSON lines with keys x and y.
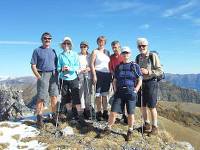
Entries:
{"x":175,"y":87}
{"x":191,"y":81}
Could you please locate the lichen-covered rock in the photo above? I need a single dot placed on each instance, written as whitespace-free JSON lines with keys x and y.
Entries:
{"x":11,"y":104}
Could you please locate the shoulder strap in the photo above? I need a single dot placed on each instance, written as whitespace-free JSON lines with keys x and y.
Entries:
{"x":137,"y":59}
{"x":151,"y":57}
{"x":133,"y":68}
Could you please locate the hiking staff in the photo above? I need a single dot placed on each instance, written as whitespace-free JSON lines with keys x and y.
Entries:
{"x":88,"y":92}
{"x":142,"y":130}
{"x":59,"y":100}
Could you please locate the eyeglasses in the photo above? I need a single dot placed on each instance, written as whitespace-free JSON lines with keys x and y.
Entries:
{"x":83,"y":46}
{"x":66,"y":43}
{"x":47,"y":38}
{"x":141,"y":45}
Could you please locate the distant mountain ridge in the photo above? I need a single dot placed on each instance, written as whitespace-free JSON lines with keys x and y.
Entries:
{"x":191,"y":81}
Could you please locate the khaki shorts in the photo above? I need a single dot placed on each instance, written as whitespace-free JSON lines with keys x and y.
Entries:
{"x":47,"y":85}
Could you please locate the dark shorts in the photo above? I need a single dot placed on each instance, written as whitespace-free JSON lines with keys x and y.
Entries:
{"x":103,"y":83}
{"x":149,"y":94}
{"x":70,"y":91}
{"x":122,"y":98}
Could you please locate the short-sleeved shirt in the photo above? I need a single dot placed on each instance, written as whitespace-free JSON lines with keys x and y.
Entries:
{"x":127,"y":74}
{"x":45,"y":59}
{"x":115,"y":60}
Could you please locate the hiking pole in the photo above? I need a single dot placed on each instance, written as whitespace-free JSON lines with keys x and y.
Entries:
{"x":88,"y":92}
{"x":142,"y":117}
{"x":59,"y":101}
{"x":94,"y":97}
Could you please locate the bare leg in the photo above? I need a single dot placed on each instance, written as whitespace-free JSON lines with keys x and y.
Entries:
{"x":112,"y":118}
{"x":98,"y":103}
{"x":104,"y":102}
{"x":131,"y":121}
{"x":154,"y":116}
{"x":39,"y":107}
{"x":53,"y":103}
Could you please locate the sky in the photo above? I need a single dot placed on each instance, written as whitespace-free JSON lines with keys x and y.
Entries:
{"x":171,"y":27}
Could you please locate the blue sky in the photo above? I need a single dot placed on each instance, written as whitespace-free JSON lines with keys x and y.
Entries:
{"x":172,"y":28}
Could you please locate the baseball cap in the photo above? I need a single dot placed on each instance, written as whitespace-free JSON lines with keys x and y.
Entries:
{"x":84,"y":43}
{"x":126,"y":49}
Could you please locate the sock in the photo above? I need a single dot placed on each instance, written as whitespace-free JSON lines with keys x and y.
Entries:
{"x":155,"y":123}
{"x":147,"y":121}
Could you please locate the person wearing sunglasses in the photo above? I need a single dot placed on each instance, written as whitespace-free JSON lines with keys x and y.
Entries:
{"x":43,"y":64}
{"x":127,"y":81}
{"x":147,"y":98}
{"x":85,"y":81}
{"x":68,"y":65}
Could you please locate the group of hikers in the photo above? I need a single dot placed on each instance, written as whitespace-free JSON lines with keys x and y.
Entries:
{"x":75,"y":75}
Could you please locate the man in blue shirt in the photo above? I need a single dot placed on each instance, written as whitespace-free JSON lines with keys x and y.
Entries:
{"x":127,"y":81}
{"x":43,"y":65}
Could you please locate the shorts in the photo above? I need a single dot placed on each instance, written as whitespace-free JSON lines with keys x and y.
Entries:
{"x":124,"y":97}
{"x":103,"y":83}
{"x":149,"y":94}
{"x":47,"y":84}
{"x":70,"y":91}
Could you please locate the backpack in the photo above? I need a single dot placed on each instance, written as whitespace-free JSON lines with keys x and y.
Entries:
{"x":162,"y":75}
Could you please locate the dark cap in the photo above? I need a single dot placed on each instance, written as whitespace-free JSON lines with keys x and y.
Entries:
{"x":46,"y":34}
{"x":84,"y":43}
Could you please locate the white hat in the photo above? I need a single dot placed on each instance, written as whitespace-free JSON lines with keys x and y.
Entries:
{"x":67,"y":39}
{"x":126,"y":49}
{"x":142,"y":41}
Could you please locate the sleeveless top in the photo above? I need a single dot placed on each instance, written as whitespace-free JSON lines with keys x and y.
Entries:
{"x":102,"y":60}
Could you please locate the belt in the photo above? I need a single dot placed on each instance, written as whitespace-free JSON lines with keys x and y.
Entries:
{"x":152,"y":79}
{"x":46,"y":71}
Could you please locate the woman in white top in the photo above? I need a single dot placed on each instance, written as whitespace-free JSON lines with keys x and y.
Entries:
{"x":85,"y":81}
{"x":101,"y":77}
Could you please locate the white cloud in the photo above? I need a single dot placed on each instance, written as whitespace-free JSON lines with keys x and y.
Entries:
{"x":180,"y":9}
{"x":113,"y":6}
{"x":145,"y":26}
{"x":19,"y":43}
{"x":191,"y":18}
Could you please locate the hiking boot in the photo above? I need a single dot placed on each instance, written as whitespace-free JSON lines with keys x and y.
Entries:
{"x":105,"y":115}
{"x":129,"y":135}
{"x":99,"y":116}
{"x":154,"y":130}
{"x":146,"y":128}
{"x":62,"y":117}
{"x":81,"y":120}
{"x":86,"y":114}
{"x":39,"y":122}
{"x":125,"y":119}
{"x":106,"y":131}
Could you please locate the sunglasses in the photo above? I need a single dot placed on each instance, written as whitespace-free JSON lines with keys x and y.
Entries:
{"x":46,"y":38}
{"x":141,"y":45}
{"x":83,"y":46}
{"x":123,"y":53}
{"x":66,"y":43}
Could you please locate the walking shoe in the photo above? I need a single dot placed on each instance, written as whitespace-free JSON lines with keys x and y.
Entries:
{"x":99,"y":116}
{"x":39,"y":122}
{"x":154,"y":130}
{"x":105,"y":115}
{"x":129,"y":135}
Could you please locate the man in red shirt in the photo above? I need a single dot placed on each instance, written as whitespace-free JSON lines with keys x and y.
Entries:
{"x":115,"y":60}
